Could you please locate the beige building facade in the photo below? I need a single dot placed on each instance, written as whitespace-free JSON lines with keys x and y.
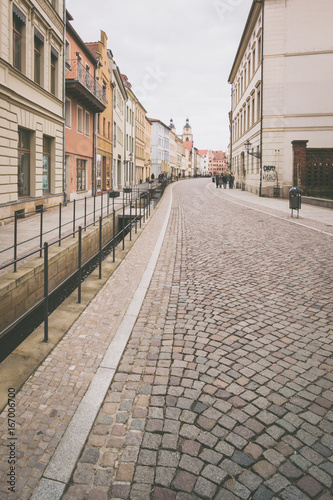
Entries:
{"x":282,"y":91}
{"x":31,"y":105}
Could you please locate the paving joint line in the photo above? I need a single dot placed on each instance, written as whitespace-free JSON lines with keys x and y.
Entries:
{"x":62,"y":464}
{"x":272,"y":215}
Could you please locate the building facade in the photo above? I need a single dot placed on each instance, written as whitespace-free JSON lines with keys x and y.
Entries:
{"x":160,"y":147}
{"x":103,"y":173}
{"x":120,"y":98}
{"x":84,"y":99}
{"x":31,"y":103}
{"x":282,"y":91}
{"x":130,"y":158}
{"x":217,"y":162}
{"x":147,"y":148}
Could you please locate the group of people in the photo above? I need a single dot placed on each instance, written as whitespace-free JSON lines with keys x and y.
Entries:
{"x":225,"y":179}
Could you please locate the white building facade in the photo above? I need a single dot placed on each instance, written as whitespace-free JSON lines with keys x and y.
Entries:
{"x":31,"y":105}
{"x":160,"y":147}
{"x":282,"y":91}
{"x":120,"y":98}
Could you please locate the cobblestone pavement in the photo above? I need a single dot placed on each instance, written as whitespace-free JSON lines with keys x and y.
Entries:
{"x":225,"y":388}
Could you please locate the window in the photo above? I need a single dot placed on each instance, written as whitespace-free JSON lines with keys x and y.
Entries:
{"x":104,"y":123}
{"x":87,"y":124}
{"x":109,"y":130}
{"x":68,"y":113}
{"x":79,"y":119}
{"x":253,"y":61}
{"x":38,"y":56}
{"x":253,"y":110}
{"x":258,"y":104}
{"x":81,"y":175}
{"x":68,"y":54}
{"x":46,"y":164}
{"x":19,"y":21}
{"x":23,"y":162}
{"x":114,"y":133}
{"x":99,"y":173}
{"x":54,"y":68}
{"x":259,"y":51}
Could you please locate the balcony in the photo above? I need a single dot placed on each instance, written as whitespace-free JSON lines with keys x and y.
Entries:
{"x":81,"y":86}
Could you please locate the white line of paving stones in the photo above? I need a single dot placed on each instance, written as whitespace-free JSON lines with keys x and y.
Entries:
{"x":268,"y":213}
{"x":61,"y":466}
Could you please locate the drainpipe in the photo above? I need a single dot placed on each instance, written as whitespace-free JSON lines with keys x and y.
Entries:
{"x":231,"y":125}
{"x":64,"y":109}
{"x":262,"y":2}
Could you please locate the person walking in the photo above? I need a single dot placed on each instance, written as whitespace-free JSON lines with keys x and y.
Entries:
{"x":224,"y":180}
{"x":217,"y":180}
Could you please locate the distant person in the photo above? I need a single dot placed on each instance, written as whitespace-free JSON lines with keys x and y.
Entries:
{"x":217,"y":180}
{"x":224,"y":180}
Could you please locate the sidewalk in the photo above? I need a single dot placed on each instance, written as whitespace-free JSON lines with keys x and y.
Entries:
{"x":186,"y":378}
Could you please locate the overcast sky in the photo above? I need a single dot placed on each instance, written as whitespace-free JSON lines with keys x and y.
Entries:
{"x":176,"y":53}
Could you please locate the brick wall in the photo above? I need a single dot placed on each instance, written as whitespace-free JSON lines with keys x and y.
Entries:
{"x":313,"y":170}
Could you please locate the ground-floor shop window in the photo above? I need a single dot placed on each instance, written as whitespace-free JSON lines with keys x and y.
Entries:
{"x":99,"y":173}
{"x":46,"y":164}
{"x":81,"y":175}
{"x":23,"y":162}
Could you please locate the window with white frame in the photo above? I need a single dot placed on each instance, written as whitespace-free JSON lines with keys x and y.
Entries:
{"x":68,"y":113}
{"x":79,"y":119}
{"x":87,"y":124}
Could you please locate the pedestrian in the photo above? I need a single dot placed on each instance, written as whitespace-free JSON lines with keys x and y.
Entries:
{"x":217,"y":180}
{"x":224,"y":180}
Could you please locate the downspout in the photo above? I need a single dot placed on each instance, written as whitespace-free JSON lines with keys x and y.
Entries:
{"x":231,"y":126}
{"x":262,"y":91}
{"x":64,"y":108}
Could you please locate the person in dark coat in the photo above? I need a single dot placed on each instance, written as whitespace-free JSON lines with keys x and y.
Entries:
{"x":224,"y":180}
{"x":217,"y":180}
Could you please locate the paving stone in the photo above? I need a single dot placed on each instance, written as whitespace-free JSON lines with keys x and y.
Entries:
{"x":263,"y":493}
{"x":237,"y":488}
{"x":310,"y":486}
{"x":213,"y":473}
{"x":164,"y":475}
{"x":321,"y":476}
{"x":191,"y":464}
{"x":264,"y":469}
{"x":293,"y":493}
{"x":184,"y":481}
{"x":205,"y":488}
{"x":277,"y":483}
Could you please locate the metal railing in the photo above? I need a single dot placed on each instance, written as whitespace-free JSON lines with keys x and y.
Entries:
{"x":83,"y":210}
{"x":77,"y":72}
{"x":138,"y":204}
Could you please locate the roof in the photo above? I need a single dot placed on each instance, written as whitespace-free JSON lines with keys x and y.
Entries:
{"x":202,"y":152}
{"x":86,"y":49}
{"x":155,"y":120}
{"x":188,"y":145}
{"x":254,"y":12}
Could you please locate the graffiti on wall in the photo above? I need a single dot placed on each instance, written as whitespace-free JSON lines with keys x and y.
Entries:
{"x":270,"y":173}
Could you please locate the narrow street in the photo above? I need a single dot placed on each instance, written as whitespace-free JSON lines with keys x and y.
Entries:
{"x":224,"y":389}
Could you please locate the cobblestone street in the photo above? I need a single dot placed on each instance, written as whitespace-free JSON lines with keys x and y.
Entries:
{"x":224,"y":390}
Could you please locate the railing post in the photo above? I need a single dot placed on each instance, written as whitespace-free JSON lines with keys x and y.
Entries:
{"x":94,"y":207}
{"x":79,"y":265}
{"x":123,"y":226}
{"x":140,"y":208}
{"x":100,"y":246}
{"x":41,"y":233}
{"x":136,"y":215}
{"x":108,"y":203}
{"x":15,"y":242}
{"x":148,"y":202}
{"x":130,"y":220}
{"x":46,"y":292}
{"x":60,"y":224}
{"x":74,"y":218}
{"x":114,"y":235}
{"x":85,"y":213}
{"x":102,"y":204}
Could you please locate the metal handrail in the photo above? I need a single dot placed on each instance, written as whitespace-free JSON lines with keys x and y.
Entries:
{"x":76,"y":71}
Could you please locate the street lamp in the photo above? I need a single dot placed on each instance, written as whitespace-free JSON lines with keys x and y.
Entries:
{"x":247,"y":146}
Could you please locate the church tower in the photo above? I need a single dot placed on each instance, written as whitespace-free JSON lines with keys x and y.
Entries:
{"x":187,"y":132}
